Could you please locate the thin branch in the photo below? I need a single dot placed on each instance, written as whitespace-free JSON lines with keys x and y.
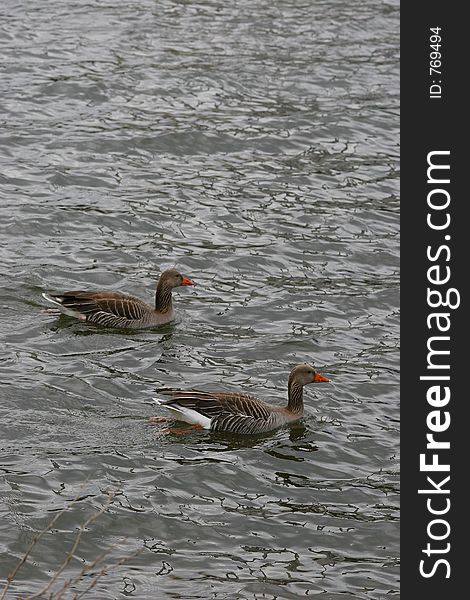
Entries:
{"x":83,"y":572}
{"x":34,"y":541}
{"x":104,"y":571}
{"x":71,"y":552}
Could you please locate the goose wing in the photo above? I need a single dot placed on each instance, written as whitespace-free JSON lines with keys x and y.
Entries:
{"x":227,"y":412}
{"x":104,"y":308}
{"x":214,"y":404}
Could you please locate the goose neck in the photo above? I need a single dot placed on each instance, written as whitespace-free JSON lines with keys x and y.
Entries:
{"x":295,"y":395}
{"x":163,"y":299}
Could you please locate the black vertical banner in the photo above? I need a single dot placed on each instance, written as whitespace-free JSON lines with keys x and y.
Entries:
{"x":434,"y":300}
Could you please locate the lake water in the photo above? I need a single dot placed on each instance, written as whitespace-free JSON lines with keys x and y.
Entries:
{"x":253,"y":145}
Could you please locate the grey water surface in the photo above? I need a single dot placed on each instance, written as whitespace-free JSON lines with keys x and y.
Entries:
{"x":252,"y":144}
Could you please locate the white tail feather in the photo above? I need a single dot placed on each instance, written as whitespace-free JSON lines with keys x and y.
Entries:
{"x":188,"y":415}
{"x":63,"y":309}
{"x":51,"y":299}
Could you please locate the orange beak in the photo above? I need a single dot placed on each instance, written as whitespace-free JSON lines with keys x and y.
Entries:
{"x":187,"y":281}
{"x":319,"y":378}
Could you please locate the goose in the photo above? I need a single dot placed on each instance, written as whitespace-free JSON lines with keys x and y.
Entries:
{"x":113,"y":309}
{"x":233,"y":412}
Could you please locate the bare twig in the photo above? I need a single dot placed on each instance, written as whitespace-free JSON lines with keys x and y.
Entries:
{"x":46,"y":591}
{"x":34,"y":541}
{"x":83,"y":572}
{"x":104,"y":571}
{"x":71,"y":552}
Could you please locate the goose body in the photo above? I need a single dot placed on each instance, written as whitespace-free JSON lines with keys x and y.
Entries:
{"x":114,"y":309}
{"x":239,"y":413}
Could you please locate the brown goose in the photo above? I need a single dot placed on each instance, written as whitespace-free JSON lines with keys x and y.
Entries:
{"x":240,"y":413}
{"x":113,"y":309}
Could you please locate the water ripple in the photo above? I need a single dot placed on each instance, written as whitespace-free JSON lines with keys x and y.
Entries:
{"x":255,"y":147}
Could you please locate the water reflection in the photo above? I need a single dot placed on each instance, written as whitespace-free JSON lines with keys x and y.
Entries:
{"x":237,"y":146}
